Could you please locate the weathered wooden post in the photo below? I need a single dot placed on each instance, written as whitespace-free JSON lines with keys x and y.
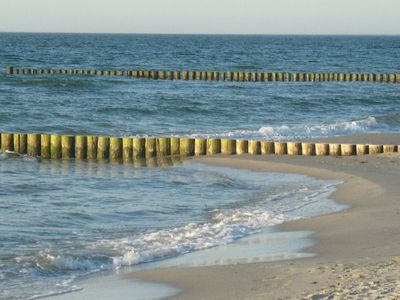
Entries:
{"x":45,"y":151}
{"x":281,"y":148}
{"x":175,"y":146}
{"x":33,"y":144}
{"x":16,"y":142}
{"x":200,"y":146}
{"x":186,"y":146}
{"x":55,"y":146}
{"x":348,"y":149}
{"x":9,"y":70}
{"x":115,"y":149}
{"x":254,"y":147}
{"x":138,"y":145}
{"x":163,"y":146}
{"x":242,"y":146}
{"x":375,"y":149}
{"x":267,"y":147}
{"x":67,"y":146}
{"x":81,"y":147}
{"x":213,"y":146}
{"x":321,"y":149}
{"x":361,"y":149}
{"x":294,"y":148}
{"x":127,"y":150}
{"x":150,"y":147}
{"x":92,"y":147}
{"x":228,"y":146}
{"x":389,"y":148}
{"x":103,"y":148}
{"x":308,"y":149}
{"x":7,"y":142}
{"x":334,"y":149}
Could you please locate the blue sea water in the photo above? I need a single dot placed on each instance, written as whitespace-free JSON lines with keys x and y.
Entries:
{"x":62,"y":220}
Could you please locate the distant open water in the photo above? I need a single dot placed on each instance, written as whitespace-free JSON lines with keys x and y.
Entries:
{"x":62,"y":220}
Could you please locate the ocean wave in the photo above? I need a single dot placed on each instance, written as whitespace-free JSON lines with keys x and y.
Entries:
{"x":304,"y":131}
{"x":225,"y":226}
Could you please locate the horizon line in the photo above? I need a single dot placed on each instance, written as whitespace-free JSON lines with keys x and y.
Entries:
{"x":232,"y":34}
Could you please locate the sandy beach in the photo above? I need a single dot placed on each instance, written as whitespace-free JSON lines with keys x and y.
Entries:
{"x":358,"y":249}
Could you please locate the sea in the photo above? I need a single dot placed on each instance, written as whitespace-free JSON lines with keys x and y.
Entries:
{"x":61,"y":221}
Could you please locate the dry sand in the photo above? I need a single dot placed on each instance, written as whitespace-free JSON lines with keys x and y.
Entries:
{"x":358,"y":249}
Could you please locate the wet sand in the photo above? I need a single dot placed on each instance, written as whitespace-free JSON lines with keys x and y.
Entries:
{"x":358,"y":250}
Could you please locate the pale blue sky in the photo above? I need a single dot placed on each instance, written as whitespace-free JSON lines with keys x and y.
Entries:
{"x":203,"y":16}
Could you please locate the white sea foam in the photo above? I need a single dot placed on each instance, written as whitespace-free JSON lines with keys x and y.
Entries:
{"x":301,"y":131}
{"x":225,"y":226}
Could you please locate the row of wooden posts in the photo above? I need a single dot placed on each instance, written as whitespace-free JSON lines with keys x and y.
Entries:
{"x":54,"y":146}
{"x":219,"y":75}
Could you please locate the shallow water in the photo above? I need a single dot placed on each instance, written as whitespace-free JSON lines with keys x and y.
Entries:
{"x":60,"y":220}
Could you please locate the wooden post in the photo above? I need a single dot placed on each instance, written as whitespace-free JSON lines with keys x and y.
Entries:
{"x":23,"y":143}
{"x":321,"y":149}
{"x":213,"y":146}
{"x":334,"y":149}
{"x":103,"y":148}
{"x":127,"y":150}
{"x":198,"y":75}
{"x":228,"y":146}
{"x":375,"y":149}
{"x":138,"y":145}
{"x":203,"y":75}
{"x":67,"y":146}
{"x":45,"y":146}
{"x":308,"y":149}
{"x":274,"y":76}
{"x":281,"y":148}
{"x":200,"y":146}
{"x":163,"y":146}
{"x":209,"y":75}
{"x":150,"y":147}
{"x":241,"y":76}
{"x":348,"y":149}
{"x":55,"y":146}
{"x":295,"y":76}
{"x":7,"y":142}
{"x":92,"y":147}
{"x":115,"y":153}
{"x":153,"y":74}
{"x":362,"y":149}
{"x":175,"y":146}
{"x":267,"y":147}
{"x":81,"y":147}
{"x":170,"y":75}
{"x":294,"y":148}
{"x":261,"y":76}
{"x":33,"y":144}
{"x":229,"y":76}
{"x":161,"y":75}
{"x":389,"y":148}
{"x":177,"y":75}
{"x":191,"y":75}
{"x":242,"y":146}
{"x":9,"y":70}
{"x":254,"y":147}
{"x":184,"y":75}
{"x":247,"y":76}
{"x":222,"y":76}
{"x":186,"y":146}
{"x":235,"y":76}
{"x":16,"y":142}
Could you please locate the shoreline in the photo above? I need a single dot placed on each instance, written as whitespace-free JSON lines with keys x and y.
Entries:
{"x":360,"y":242}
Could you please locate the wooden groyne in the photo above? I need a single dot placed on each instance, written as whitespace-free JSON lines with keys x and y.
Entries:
{"x":129,"y":149}
{"x":250,"y":76}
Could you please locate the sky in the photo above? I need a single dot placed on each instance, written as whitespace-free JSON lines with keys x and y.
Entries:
{"x":202,"y":16}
